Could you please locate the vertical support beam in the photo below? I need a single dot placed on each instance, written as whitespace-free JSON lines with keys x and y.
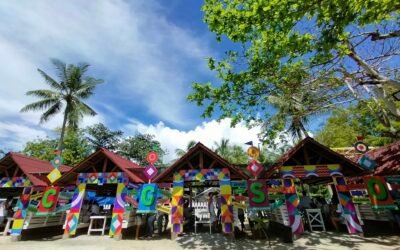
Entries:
{"x":118,"y":212}
{"x":73,"y":215}
{"x":292,"y":202}
{"x":306,"y":157}
{"x":105,"y":165}
{"x":20,"y":214}
{"x":349,"y":210}
{"x":177,"y":205}
{"x":226,"y":205}
{"x":201,"y":160}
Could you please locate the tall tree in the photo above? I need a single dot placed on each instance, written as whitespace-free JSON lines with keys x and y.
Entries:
{"x":180,"y":152}
{"x":353,"y":44}
{"x":100,"y":136}
{"x":71,"y":89}
{"x":237,"y":155}
{"x":137,"y":147}
{"x":76,"y":147}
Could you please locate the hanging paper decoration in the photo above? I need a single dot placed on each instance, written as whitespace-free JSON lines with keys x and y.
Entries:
{"x":57,"y":161}
{"x":148,"y":198}
{"x":54,"y":175}
{"x":152,"y":157}
{"x":379,"y":193}
{"x":292,"y":202}
{"x":150,"y":172}
{"x":20,"y":214}
{"x":361,"y":147}
{"x":253,"y":152}
{"x":367,"y":163}
{"x":118,"y":210}
{"x":73,"y":215}
{"x":258,"y":194}
{"x":254,"y":168}
{"x":49,"y":200}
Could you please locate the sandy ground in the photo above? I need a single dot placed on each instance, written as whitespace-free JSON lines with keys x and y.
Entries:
{"x":316,"y":240}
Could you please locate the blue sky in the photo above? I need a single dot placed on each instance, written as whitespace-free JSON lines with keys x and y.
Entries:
{"x":147,"y":51}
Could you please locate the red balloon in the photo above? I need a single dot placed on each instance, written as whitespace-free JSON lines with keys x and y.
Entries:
{"x":152,"y":157}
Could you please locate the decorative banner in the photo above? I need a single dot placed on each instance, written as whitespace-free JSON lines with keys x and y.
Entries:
{"x":258,"y":194}
{"x":253,"y":152}
{"x":254,"y":168}
{"x":310,"y":171}
{"x":73,"y":215}
{"x":349,"y":211}
{"x":102,"y":178}
{"x":54,"y":175}
{"x":226,"y":206}
{"x":292,"y":202}
{"x":57,"y":161}
{"x":378,"y":192}
{"x":177,"y":206}
{"x":118,"y":210}
{"x":148,"y":198}
{"x":20,"y":214}
{"x":49,"y":200}
{"x":150,"y":172}
{"x":213,"y":174}
{"x":367,"y":163}
{"x":361,"y":147}
{"x":20,"y":181}
{"x":152,"y":157}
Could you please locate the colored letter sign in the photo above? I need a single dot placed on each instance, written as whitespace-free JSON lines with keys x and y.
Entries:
{"x":49,"y":200}
{"x":148,"y":198}
{"x":258,"y":194}
{"x":378,"y":192}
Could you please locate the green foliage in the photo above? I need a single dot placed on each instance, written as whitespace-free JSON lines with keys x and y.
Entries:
{"x":137,"y":147}
{"x":294,"y":57}
{"x":71,"y":89}
{"x":345,"y":124}
{"x":76,"y":148}
{"x":100,"y":136}
{"x":180,"y":152}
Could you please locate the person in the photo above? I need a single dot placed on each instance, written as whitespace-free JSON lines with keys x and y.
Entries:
{"x":151,"y":217}
{"x":85,"y":212}
{"x":305,"y":201}
{"x":336,"y":214}
{"x":160,"y":217}
{"x":218,"y":206}
{"x":94,"y":209}
{"x":211,"y":210}
{"x":3,"y":211}
{"x":187,"y":214}
{"x":241,"y":218}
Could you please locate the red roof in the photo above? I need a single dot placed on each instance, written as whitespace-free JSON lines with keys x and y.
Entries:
{"x":387,"y":159}
{"x":33,"y":168}
{"x":131,"y":169}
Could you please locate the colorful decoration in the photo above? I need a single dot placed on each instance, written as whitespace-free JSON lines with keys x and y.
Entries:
{"x":54,"y":175}
{"x":213,"y":174}
{"x":379,"y":193}
{"x":254,"y":168}
{"x":223,"y":175}
{"x":49,"y":200}
{"x":102,"y":178}
{"x":292,"y":202}
{"x":150,"y":172}
{"x":361,"y":147}
{"x":57,"y":161}
{"x":258,"y":195}
{"x":118,"y":210}
{"x":310,"y":170}
{"x":253,"y":152}
{"x":163,"y":209}
{"x":73,"y":215}
{"x":367,"y":163}
{"x":20,"y":214}
{"x":148,"y":198}
{"x":20,"y":181}
{"x":152,"y":157}
{"x":349,"y":211}
{"x":177,"y":206}
{"x":226,"y":206}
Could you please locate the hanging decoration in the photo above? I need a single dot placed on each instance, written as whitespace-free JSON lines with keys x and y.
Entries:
{"x":56,"y":162}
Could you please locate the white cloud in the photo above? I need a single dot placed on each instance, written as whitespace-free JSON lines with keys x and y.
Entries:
{"x":20,"y":134}
{"x":206,"y":133}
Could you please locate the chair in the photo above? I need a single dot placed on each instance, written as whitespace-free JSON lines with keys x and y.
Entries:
{"x":315,"y":219}
{"x":202,"y":215}
{"x":103,"y":229}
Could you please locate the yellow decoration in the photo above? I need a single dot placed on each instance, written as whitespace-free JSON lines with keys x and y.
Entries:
{"x":239,"y":205}
{"x":54,"y":175}
{"x":253,"y":152}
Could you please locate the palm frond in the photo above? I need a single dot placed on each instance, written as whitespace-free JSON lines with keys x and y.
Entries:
{"x":40,"y":105}
{"x":43,"y":93}
{"x":86,"y":90}
{"x":52,"y":111}
{"x":50,"y":81}
{"x":84,"y":108}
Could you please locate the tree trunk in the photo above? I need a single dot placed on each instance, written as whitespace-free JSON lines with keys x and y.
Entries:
{"x":304,"y":130}
{"x":60,"y":143}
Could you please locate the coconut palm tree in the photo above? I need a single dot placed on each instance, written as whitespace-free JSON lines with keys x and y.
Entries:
{"x":180,"y":152}
{"x":223,"y":148}
{"x":71,"y":89}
